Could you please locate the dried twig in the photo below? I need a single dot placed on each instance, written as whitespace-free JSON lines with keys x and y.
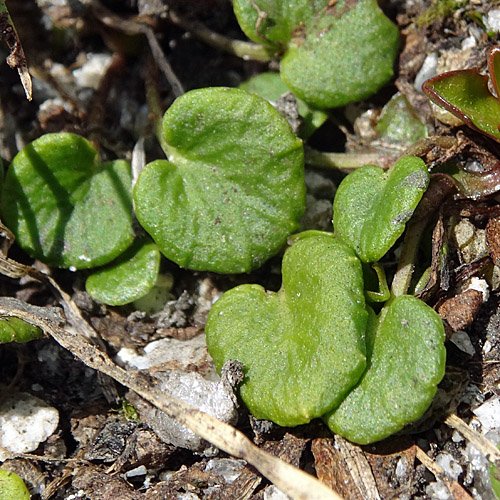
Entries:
{"x":135,"y":28}
{"x":13,"y":269}
{"x":16,"y":58}
{"x":245,"y":50}
{"x":359,"y":468}
{"x":453,"y":486}
{"x":484,"y":446}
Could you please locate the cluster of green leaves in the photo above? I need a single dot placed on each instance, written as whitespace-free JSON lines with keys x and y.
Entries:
{"x":226,"y":199}
{"x":466,"y":94}
{"x":232,"y":189}
{"x":316,"y":348}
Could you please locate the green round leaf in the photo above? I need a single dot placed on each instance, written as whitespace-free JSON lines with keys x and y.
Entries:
{"x":233,"y":189}
{"x":129,"y":278}
{"x":344,"y":54}
{"x":302,"y":348}
{"x":17,"y":330}
{"x":406,"y":361}
{"x":371,"y":207}
{"x":12,"y":487}
{"x":270,"y":86}
{"x":64,"y":206}
{"x":334,"y":53}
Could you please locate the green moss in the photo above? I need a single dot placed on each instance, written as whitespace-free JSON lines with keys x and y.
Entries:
{"x":439,"y":9}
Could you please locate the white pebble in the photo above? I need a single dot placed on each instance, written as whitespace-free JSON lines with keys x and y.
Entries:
{"x":25,"y":422}
{"x":427,"y":71}
{"x":449,"y":464}
{"x":138,"y":471}
{"x":273,"y":493}
{"x":91,"y":73}
{"x":493,"y":20}
{"x":489,"y":414}
{"x":438,"y":491}
{"x":469,"y":42}
{"x":227,"y":468}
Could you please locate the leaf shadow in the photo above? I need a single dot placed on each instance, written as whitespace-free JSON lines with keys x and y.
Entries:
{"x":53,"y":236}
{"x":63,"y":204}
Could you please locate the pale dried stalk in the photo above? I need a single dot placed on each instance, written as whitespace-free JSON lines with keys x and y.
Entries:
{"x":114,"y":21}
{"x":453,"y":486}
{"x":16,"y":58}
{"x":239,"y":48}
{"x":483,"y":445}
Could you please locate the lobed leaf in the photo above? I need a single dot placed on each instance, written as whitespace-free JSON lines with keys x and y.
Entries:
{"x":64,"y":206}
{"x":303,"y":347}
{"x":233,"y":188}
{"x":334,"y":52}
{"x":371,"y":207}
{"x":406,"y":363}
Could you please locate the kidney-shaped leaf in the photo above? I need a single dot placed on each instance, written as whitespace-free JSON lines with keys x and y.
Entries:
{"x":131,"y":276}
{"x":406,"y":362}
{"x":335,"y":52}
{"x":371,"y":207}
{"x":233,"y":189}
{"x":64,"y":206}
{"x":465,"y":93}
{"x":302,"y":348}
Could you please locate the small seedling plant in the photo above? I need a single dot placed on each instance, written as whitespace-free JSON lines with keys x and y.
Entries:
{"x":228,"y":196}
{"x":232,"y":187}
{"x":316,"y":348}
